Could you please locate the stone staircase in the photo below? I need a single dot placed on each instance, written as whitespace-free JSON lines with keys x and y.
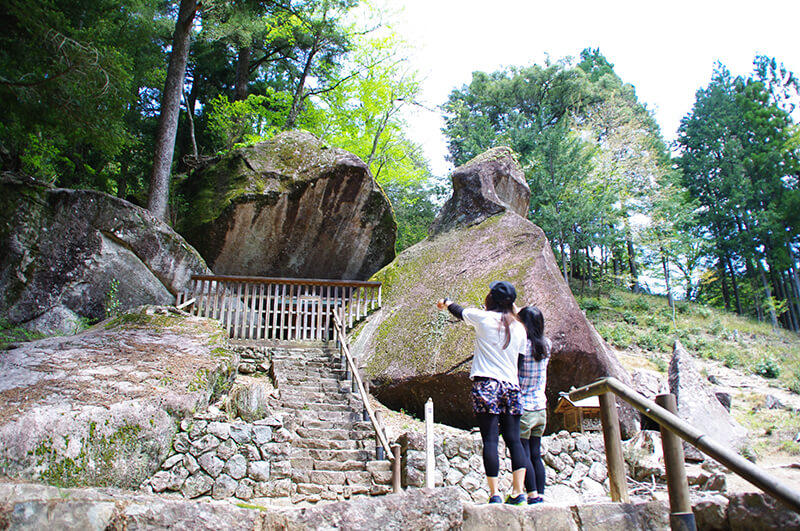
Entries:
{"x":332,"y":452}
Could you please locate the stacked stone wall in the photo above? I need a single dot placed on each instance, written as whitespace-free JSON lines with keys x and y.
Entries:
{"x":575,"y":464}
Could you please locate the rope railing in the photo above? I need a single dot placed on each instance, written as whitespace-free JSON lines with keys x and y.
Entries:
{"x":673,"y":428}
{"x":392,"y":452}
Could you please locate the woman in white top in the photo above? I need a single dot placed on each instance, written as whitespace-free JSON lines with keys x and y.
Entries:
{"x":500,"y":338}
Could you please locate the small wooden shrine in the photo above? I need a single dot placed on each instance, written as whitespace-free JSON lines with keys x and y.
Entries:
{"x":582,"y":415}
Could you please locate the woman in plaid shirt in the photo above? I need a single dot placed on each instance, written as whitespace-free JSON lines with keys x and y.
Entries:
{"x":532,"y":367}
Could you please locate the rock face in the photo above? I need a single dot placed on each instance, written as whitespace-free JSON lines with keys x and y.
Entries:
{"x":63,"y":248}
{"x":413,"y":351}
{"x":489,"y":184}
{"x":102,"y":407}
{"x":291,"y":207}
{"x":698,"y":405}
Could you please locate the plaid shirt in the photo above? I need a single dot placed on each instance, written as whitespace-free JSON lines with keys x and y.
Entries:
{"x":533,"y":378}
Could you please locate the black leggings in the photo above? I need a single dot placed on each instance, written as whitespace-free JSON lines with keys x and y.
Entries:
{"x":508,"y":426}
{"x":534,"y":476}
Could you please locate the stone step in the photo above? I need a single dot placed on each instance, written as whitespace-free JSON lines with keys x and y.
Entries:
{"x":330,"y":416}
{"x":334,"y":397}
{"x":307,"y":464}
{"x":341,"y":466}
{"x":344,"y":425}
{"x":318,"y":454}
{"x":333,"y":433}
{"x":320,"y":407}
{"x":333,"y":444}
{"x":309,"y":382}
{"x":332,"y":477}
{"x":316,"y":387}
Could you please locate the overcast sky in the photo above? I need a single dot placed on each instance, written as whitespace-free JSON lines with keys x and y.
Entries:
{"x":667,"y":50}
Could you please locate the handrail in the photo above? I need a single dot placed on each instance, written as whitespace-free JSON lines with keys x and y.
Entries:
{"x":693,"y":436}
{"x":357,"y":378}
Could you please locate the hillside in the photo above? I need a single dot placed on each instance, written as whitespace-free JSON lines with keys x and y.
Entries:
{"x":743,"y":357}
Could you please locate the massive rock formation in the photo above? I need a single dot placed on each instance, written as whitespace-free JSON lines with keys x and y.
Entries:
{"x":292,"y":207}
{"x":489,"y":184}
{"x":62,"y":249}
{"x":102,"y":407}
{"x":413,"y":351}
{"x":698,"y":405}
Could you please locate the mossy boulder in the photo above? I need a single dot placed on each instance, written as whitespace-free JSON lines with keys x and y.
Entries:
{"x":489,"y":184}
{"x":102,"y":407}
{"x":290,"y":207}
{"x":413,"y":351}
{"x":69,"y":254}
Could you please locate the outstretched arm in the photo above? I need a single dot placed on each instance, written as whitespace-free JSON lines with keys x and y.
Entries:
{"x":452,"y":307}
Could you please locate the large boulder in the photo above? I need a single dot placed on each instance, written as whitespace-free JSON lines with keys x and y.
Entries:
{"x":290,"y":207}
{"x":698,"y":405}
{"x":102,"y":407}
{"x":65,"y":250}
{"x":491,"y":183}
{"x":413,"y":351}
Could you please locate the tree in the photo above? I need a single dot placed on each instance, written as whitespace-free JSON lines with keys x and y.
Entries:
{"x":170,"y":110}
{"x":740,"y":162}
{"x":70,"y":82}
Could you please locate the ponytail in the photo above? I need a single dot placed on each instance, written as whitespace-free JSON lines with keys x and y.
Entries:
{"x":506,"y":319}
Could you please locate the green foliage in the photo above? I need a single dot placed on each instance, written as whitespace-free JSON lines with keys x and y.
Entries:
{"x":767,"y":367}
{"x":620,"y":335}
{"x":660,"y":363}
{"x":12,"y":334}
{"x":239,"y":123}
{"x":112,"y":299}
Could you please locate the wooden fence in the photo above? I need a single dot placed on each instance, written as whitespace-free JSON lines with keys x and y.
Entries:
{"x":279,"y":308}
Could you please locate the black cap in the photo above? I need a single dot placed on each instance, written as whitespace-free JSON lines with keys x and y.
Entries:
{"x":502,"y":292}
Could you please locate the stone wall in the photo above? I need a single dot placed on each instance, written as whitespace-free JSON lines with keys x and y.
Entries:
{"x":222,"y":459}
{"x":575,"y":465}
{"x":29,"y":506}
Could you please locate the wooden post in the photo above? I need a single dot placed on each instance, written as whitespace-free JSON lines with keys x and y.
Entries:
{"x":613,"y":441}
{"x":379,"y":451}
{"x":430,"y":455}
{"x":680,"y":505}
{"x":396,"y":474}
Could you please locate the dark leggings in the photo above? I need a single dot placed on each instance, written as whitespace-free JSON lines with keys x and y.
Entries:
{"x":534,"y":476}
{"x":508,"y":426}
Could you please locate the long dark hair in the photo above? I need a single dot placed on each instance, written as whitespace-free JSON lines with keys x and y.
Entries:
{"x":533,"y":320}
{"x":508,"y":316}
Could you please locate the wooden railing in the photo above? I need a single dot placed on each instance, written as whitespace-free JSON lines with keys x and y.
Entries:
{"x":392,"y":453}
{"x":664,"y":412}
{"x":279,"y":308}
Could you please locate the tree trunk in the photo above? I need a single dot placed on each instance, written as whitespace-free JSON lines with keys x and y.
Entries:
{"x":795,"y":285}
{"x":589,"y":268}
{"x":170,"y":111}
{"x":786,"y":293}
{"x":735,"y":286}
{"x":242,"y":74}
{"x":192,"y":138}
{"x":664,"y":263}
{"x":632,"y":266}
{"x":297,"y":99}
{"x":723,"y":277}
{"x":563,"y":258}
{"x":768,"y":292}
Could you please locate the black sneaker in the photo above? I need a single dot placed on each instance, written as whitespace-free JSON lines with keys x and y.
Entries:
{"x":495,"y":499}
{"x":534,"y":499}
{"x":516,"y":500}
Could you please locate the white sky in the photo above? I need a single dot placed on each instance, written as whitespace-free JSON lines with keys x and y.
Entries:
{"x":666,"y":50}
